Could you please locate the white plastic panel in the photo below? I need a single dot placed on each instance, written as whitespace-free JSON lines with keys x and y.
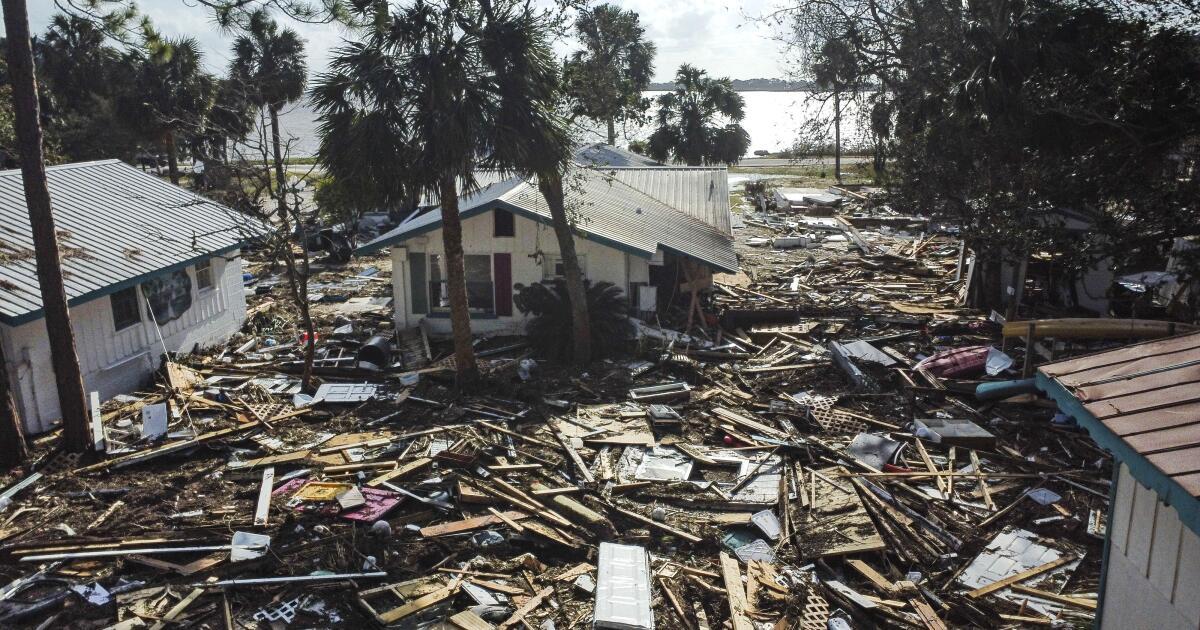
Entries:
{"x":623,"y":589}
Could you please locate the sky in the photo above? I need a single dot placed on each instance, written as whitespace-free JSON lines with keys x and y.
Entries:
{"x":715,"y":35}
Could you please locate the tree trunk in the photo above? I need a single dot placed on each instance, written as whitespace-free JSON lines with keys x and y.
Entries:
{"x":837,"y":135}
{"x":456,"y":285}
{"x":297,"y":278}
{"x":71,"y":399}
{"x":551,"y":186}
{"x":172,"y":158}
{"x":612,"y":131}
{"x":12,"y":433}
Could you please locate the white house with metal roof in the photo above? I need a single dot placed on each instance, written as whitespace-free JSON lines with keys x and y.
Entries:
{"x":148,"y":267}
{"x":635,"y":225}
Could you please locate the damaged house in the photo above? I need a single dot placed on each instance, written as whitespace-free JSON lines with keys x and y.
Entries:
{"x":148,"y":267}
{"x":653,"y":231}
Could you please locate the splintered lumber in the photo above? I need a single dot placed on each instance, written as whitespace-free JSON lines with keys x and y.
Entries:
{"x":655,"y":524}
{"x":883,"y":584}
{"x":529,"y":607}
{"x":1089,"y":328}
{"x":467,"y":620}
{"x":580,"y":467}
{"x":1020,"y":577}
{"x":178,"y":609}
{"x":674,"y":601}
{"x":520,"y":436}
{"x":1079,"y":602}
{"x":983,"y":487}
{"x":928,"y":617}
{"x":414,"y":606}
{"x":747,"y":423}
{"x":166,"y":449}
{"x":731,"y":573}
{"x":513,"y":525}
{"x":840,"y":512}
{"x":470,"y":524}
{"x":400,"y":471}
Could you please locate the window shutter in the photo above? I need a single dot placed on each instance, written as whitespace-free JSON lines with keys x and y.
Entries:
{"x":419,"y":289}
{"x":504,"y":287}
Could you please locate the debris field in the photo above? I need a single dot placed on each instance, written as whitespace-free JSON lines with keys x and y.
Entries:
{"x":835,"y":444}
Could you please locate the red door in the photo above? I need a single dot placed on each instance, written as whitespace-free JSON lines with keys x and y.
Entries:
{"x":502,"y":264}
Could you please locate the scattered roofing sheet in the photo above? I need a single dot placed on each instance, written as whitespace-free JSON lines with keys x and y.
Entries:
{"x":116,"y":226}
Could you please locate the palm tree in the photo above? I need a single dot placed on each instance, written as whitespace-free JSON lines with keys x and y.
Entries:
{"x":692,"y":119}
{"x":270,"y":65}
{"x":171,"y":94}
{"x":67,"y":376}
{"x":606,"y":79}
{"x":836,"y":69}
{"x":534,"y":137}
{"x":417,"y":91}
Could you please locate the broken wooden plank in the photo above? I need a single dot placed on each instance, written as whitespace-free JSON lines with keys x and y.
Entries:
{"x":1020,"y":577}
{"x":469,"y":524}
{"x":178,"y":609}
{"x":655,"y":524}
{"x":869,"y":572}
{"x":731,"y":573}
{"x":264,"y":496}
{"x":467,"y":620}
{"x":527,"y":608}
{"x":400,"y":471}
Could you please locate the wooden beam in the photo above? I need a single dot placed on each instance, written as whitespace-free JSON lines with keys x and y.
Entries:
{"x":732,"y":574}
{"x":529,"y":607}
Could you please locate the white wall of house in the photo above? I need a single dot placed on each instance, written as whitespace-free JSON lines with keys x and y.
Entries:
{"x":120,"y":361}
{"x":1152,"y":579}
{"x":532,"y":247}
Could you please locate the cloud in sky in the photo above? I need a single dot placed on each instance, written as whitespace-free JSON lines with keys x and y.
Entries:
{"x":712,"y":34}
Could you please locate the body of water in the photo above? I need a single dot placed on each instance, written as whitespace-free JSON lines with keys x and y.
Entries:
{"x":774,"y":120}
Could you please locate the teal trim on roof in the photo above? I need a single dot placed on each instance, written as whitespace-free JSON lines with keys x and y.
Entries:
{"x":39,"y":313}
{"x":1168,"y":490}
{"x":400,"y":237}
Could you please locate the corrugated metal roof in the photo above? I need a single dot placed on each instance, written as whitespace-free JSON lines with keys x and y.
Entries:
{"x":701,"y":192}
{"x":604,"y":208}
{"x":117,"y":225}
{"x":1146,"y":395}
{"x":600,"y":154}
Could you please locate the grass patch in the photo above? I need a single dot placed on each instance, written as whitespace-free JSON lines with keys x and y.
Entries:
{"x":812,"y":175}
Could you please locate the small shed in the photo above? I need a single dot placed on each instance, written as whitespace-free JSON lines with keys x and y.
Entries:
{"x":148,"y":268}
{"x":1142,"y":403}
{"x":635,"y":227}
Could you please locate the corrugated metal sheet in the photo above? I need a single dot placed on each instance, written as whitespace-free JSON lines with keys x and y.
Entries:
{"x":602,"y":207}
{"x":116,"y":225}
{"x":600,"y":154}
{"x":700,"y":192}
{"x":1148,"y":396}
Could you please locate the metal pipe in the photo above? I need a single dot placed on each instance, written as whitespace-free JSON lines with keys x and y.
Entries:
{"x":284,"y":580}
{"x":128,"y":552}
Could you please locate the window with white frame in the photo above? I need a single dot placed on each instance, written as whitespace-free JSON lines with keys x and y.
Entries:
{"x":552,"y":267}
{"x":204,"y":278}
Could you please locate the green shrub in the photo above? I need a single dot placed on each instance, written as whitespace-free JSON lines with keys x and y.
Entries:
{"x":550,"y":329}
